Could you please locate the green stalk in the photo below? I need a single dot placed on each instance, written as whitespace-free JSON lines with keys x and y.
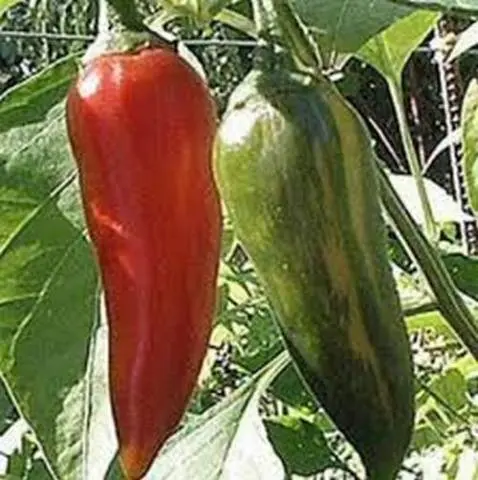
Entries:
{"x":102,"y":20}
{"x":129,"y":15}
{"x":450,"y":302}
{"x":296,"y":38}
{"x":264,"y":19}
{"x":395,"y":88}
{"x":238,"y":21}
{"x":134,"y":34}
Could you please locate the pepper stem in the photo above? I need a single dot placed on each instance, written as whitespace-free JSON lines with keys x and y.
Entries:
{"x":129,"y":16}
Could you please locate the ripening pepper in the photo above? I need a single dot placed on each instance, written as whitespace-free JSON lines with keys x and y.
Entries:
{"x":294,"y":165}
{"x":141,"y":126}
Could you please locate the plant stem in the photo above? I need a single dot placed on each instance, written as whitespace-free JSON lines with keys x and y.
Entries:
{"x":129,"y":15}
{"x":395,"y":88}
{"x":264,"y":19}
{"x":450,"y":302}
{"x":297,"y":40}
{"x":102,"y":23}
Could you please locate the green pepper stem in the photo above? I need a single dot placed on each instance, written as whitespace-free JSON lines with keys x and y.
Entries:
{"x":294,"y":34}
{"x":128,"y":14}
{"x":264,"y":19}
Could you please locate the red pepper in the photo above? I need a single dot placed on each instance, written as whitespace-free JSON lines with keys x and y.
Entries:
{"x":141,"y":127}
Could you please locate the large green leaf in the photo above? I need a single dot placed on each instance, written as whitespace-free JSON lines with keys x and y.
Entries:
{"x":30,"y":101}
{"x":48,"y":288}
{"x":389,"y":51}
{"x":444,"y":207}
{"x":454,"y":6}
{"x":36,"y":158}
{"x":345,"y":25}
{"x":47,"y":291}
{"x":469,"y":130}
{"x":228,"y":441}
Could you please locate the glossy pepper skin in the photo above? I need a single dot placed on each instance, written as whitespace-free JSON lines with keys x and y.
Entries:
{"x":295,"y":168}
{"x":141,"y":127}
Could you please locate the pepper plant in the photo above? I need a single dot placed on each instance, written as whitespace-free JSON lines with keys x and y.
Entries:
{"x":256,"y":409}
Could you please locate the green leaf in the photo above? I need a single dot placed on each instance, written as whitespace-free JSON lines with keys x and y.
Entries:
{"x":289,"y":388}
{"x":237,"y":21}
{"x":430,"y":320}
{"x":345,"y":25}
{"x":228,"y":441}
{"x":261,"y":341}
{"x":444,"y":207}
{"x":464,"y":272}
{"x":47,"y":303}
{"x":467,"y":366}
{"x":36,"y":158}
{"x":30,"y":101}
{"x":425,"y":436}
{"x":389,"y":51}
{"x":247,"y":315}
{"x":6,"y":4}
{"x":451,"y":389}
{"x":48,"y":288}
{"x":431,"y":414}
{"x":38,"y":471}
{"x":451,"y":6}
{"x":469,"y":122}
{"x":443,"y":408}
{"x":301,"y":445}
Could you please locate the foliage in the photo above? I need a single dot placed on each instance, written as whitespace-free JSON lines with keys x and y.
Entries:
{"x":251,"y":416}
{"x":21,"y":57}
